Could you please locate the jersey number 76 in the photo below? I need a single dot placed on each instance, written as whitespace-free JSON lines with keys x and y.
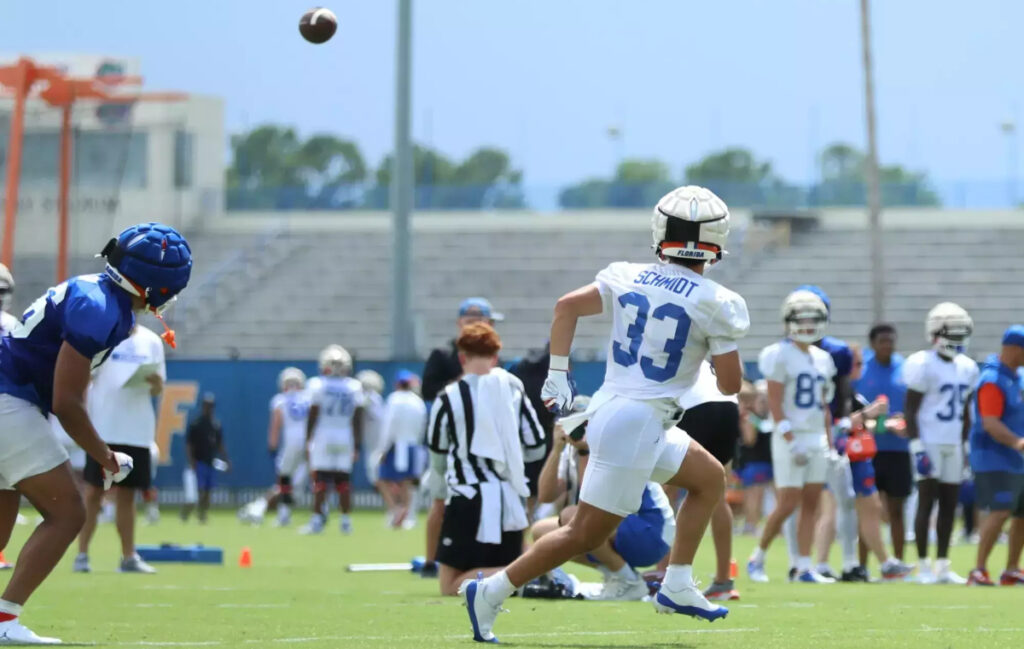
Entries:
{"x":635,"y":333}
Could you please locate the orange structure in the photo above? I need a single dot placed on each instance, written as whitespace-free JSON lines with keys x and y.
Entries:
{"x":61,"y":91}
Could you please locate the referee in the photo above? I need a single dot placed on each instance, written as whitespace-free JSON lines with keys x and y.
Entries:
{"x":480,"y":428}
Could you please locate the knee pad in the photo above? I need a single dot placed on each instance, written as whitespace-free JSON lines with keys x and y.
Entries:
{"x":343,"y":487}
{"x":319,"y":484}
{"x":284,"y":485}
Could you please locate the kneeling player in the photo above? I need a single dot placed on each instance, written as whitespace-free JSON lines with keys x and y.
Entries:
{"x":334,"y":432}
{"x":799,"y":390}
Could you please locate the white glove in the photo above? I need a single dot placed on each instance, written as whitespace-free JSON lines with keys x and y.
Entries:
{"x":799,"y":453}
{"x":834,"y":459}
{"x":559,"y":391}
{"x":125,"y":465}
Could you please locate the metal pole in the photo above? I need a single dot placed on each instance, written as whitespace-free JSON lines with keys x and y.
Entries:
{"x":14,"y":160}
{"x":403,"y":345}
{"x":63,"y":189}
{"x":871,"y":172}
{"x":1009,"y":129}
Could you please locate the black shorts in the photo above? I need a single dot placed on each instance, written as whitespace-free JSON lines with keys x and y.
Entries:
{"x":999,"y":491}
{"x":893,"y":474}
{"x":716,"y":426}
{"x":141,"y":476}
{"x":460,"y":549}
{"x":334,"y":477}
{"x":532,"y":471}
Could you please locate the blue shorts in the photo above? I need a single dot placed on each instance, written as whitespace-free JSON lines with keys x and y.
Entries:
{"x":755,"y":473}
{"x":967,"y":493}
{"x":638,"y":539}
{"x":389,"y":471}
{"x":205,"y":476}
{"x":863,"y":477}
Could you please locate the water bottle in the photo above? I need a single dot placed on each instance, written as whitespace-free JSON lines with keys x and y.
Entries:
{"x":880,"y":420}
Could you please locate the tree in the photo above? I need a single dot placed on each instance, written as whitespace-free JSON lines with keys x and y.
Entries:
{"x":843,"y":180}
{"x":741,"y":179}
{"x":637,"y":183}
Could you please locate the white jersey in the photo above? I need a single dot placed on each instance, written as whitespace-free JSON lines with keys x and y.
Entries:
{"x":665,"y":320}
{"x":808,"y":377}
{"x":120,"y":402}
{"x":337,"y":397}
{"x":705,"y":390}
{"x":945,"y":385}
{"x":373,"y":420}
{"x":405,"y":420}
{"x":294,"y":408}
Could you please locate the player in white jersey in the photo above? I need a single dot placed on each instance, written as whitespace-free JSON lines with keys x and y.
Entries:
{"x":405,"y":419}
{"x":800,"y":388}
{"x":334,"y":433}
{"x":666,"y":318}
{"x":938,"y":381}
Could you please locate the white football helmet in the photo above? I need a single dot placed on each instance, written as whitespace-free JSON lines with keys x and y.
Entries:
{"x":6,"y":287}
{"x":291,"y":378}
{"x":372,"y":381}
{"x":335,"y":361}
{"x":948,"y":327}
{"x":805,"y":316}
{"x":690,"y":223}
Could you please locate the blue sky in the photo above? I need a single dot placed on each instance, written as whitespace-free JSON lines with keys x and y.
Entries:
{"x":545,"y":78}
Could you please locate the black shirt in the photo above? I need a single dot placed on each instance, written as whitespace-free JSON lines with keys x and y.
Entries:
{"x":532,"y":370}
{"x":442,"y":368}
{"x":205,"y":436}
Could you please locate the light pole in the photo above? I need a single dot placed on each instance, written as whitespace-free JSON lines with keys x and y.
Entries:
{"x":871,"y":172}
{"x":403,"y":344}
{"x":1009,"y":129}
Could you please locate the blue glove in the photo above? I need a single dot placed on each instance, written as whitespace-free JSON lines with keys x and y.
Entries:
{"x":921,"y":459}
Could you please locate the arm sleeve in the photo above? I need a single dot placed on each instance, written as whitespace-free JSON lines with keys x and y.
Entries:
{"x":437,"y":429}
{"x":991,"y":401}
{"x":730,"y":323}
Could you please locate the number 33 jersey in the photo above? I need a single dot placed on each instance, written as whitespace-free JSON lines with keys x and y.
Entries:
{"x":665,"y":320}
{"x":945,"y":385}
{"x":807,"y":377}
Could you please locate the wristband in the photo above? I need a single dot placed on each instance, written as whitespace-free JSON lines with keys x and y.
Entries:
{"x":844,"y":424}
{"x":916,"y":446}
{"x":783,"y":427}
{"x":560,"y":363}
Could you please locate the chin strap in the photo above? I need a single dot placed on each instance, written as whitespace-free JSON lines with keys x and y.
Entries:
{"x":168,"y":335}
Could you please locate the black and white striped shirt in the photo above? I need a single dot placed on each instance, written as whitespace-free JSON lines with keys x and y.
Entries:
{"x":450,"y":432}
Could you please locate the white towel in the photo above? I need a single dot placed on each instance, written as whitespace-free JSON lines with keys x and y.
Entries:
{"x":496,"y":428}
{"x":501,"y":510}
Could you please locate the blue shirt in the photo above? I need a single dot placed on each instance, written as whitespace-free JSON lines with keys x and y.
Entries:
{"x":986,"y":453}
{"x":878,"y":379}
{"x":90,"y":312}
{"x":842,"y":357}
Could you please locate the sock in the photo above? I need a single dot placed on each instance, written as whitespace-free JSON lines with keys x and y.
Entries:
{"x":823,"y":567}
{"x":789,"y":531}
{"x":678,"y":577}
{"x":9,"y":610}
{"x":850,"y":565}
{"x":625,"y":572}
{"x":758,"y":555}
{"x":605,"y":572}
{"x":941,"y":565}
{"x":803,"y":564}
{"x":497,"y":588}
{"x":846,"y":530}
{"x":346,"y":518}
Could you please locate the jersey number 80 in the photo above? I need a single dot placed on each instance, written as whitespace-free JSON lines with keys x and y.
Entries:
{"x":635,"y":333}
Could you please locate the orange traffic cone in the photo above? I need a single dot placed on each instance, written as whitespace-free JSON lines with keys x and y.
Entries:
{"x":734,"y":570}
{"x":245,"y":559}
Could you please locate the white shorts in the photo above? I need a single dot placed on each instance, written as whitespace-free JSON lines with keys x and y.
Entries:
{"x":28,"y":445}
{"x":947,"y":462}
{"x":788,"y":473}
{"x":331,"y":452}
{"x":290,"y":458}
{"x":629,"y":446}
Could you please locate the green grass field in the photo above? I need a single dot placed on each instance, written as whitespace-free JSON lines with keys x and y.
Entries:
{"x":298,"y":593}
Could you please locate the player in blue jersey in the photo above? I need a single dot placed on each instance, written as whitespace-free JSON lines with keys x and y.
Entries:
{"x":45,"y":366}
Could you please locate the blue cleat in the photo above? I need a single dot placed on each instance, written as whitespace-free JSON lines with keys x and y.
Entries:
{"x":813,"y":577}
{"x":755,"y":570}
{"x":481,"y":612}
{"x":688,"y":601}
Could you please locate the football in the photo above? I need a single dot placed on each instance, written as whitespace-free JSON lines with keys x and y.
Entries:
{"x":318,"y":25}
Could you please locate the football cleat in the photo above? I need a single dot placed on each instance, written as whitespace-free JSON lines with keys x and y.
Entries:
{"x":827,"y":572}
{"x":346,"y":525}
{"x":721,"y":592}
{"x":979,"y":577}
{"x":429,"y":570}
{"x":896,"y":571}
{"x":81,"y":563}
{"x":687,"y":601}
{"x":856,"y":574}
{"x":481,"y":612}
{"x":136,"y":564}
{"x":618,"y":589}
{"x":812,"y":577}
{"x":13,"y":632}
{"x":314,"y":526}
{"x":755,"y":570}
{"x":1012,"y":578}
{"x":791,"y":575}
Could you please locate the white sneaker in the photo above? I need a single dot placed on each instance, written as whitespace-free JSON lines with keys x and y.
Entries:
{"x":481,"y":612}
{"x":687,"y":601}
{"x":14,"y":632}
{"x":619,"y":589}
{"x":314,"y":526}
{"x":284,"y":516}
{"x":153,"y":514}
{"x":925,"y":574}
{"x":81,"y":563}
{"x":136,"y":564}
{"x":945,"y":575}
{"x":813,"y":577}
{"x":755,"y":570}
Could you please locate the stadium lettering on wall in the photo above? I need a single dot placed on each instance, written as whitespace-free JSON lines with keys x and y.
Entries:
{"x":176,"y":400}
